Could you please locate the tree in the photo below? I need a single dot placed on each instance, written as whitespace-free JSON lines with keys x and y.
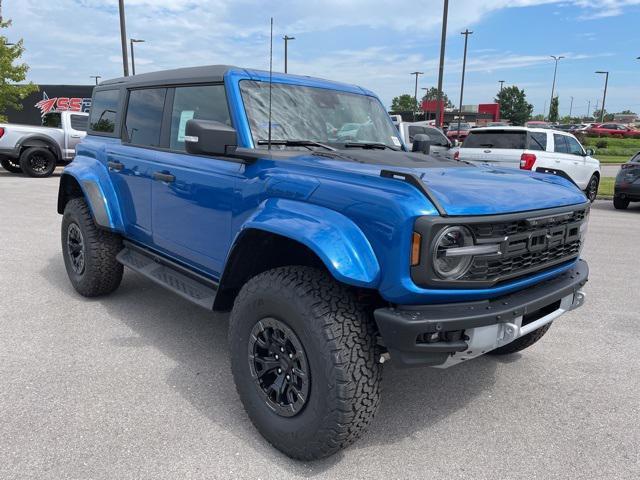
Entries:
{"x":432,"y":94}
{"x":404,"y":103}
{"x":608,"y":117}
{"x":12,"y":75}
{"x":514,"y":105}
{"x":553,"y":109}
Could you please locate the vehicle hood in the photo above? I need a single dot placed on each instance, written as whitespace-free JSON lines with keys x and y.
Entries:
{"x":465,"y":189}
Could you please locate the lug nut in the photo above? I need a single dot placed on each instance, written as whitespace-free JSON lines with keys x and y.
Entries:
{"x":279,"y":370}
{"x":282,"y":349}
{"x":277,"y":357}
{"x":288,"y":377}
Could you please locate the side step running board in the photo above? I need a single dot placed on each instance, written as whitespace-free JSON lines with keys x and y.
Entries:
{"x":167,"y":274}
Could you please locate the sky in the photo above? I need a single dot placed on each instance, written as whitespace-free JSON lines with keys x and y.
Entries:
{"x":372,"y":43}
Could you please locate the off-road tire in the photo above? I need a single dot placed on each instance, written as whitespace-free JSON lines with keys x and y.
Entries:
{"x":10,"y":165}
{"x":102,"y":273}
{"x":620,"y":203}
{"x":338,"y":337}
{"x":521,"y":343}
{"x":38,"y":162}
{"x":592,"y":188}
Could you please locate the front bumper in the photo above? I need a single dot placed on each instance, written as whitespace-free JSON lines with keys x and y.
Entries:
{"x":443,"y":335}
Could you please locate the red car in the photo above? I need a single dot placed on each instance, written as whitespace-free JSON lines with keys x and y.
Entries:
{"x":612,"y":130}
{"x":454,"y":134}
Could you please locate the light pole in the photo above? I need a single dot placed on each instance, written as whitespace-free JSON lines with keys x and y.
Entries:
{"x":443,"y":40}
{"x":415,"y":95}
{"x":501,"y":82}
{"x":133,"y":58}
{"x":123,"y":39}
{"x":604,"y":96}
{"x":588,"y":108}
{"x":96,"y":77}
{"x":553,"y":85}
{"x":286,"y":39}
{"x":466,"y":34}
{"x":570,"y":108}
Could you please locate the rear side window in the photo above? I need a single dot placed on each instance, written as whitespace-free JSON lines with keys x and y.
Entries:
{"x":538,"y":141}
{"x":144,"y":116}
{"x":204,"y":102}
{"x":496,"y":139}
{"x":104,"y":109}
{"x":79,"y":122}
{"x":560,"y":144}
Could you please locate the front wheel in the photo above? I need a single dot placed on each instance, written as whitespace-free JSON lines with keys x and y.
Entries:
{"x":303,"y":357}
{"x":10,"y":165}
{"x":620,"y":203}
{"x":592,"y":188}
{"x":38,"y":162}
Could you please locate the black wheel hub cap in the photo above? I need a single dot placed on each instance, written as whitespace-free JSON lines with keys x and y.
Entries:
{"x":592,"y":189}
{"x":279,"y":367}
{"x":39,"y":163}
{"x":75,"y":248}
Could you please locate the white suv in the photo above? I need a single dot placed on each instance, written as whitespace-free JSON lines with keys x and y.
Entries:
{"x":537,"y":149}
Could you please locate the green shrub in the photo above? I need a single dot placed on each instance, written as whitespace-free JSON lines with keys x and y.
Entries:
{"x":602,"y":144}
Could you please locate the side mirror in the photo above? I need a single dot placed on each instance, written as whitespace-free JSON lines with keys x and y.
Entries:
{"x":590,"y":152}
{"x":456,"y":143}
{"x":207,"y":137}
{"x":421,"y":143}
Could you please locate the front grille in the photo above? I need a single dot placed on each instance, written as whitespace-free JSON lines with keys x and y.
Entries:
{"x":503,"y":229}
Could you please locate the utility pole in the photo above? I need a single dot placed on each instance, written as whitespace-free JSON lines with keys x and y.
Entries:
{"x":415,"y":96}
{"x":443,"y":41}
{"x":570,"y":108}
{"x":501,"y":82}
{"x":123,"y":39}
{"x":286,"y":39}
{"x":544,"y":110}
{"x":588,"y":108}
{"x":604,"y":96}
{"x":553,"y":85}
{"x":466,"y":34}
{"x":97,"y":77}
{"x":133,"y":58}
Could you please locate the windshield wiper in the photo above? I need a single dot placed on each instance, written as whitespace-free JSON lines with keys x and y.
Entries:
{"x":370,"y":145}
{"x":296,"y":143}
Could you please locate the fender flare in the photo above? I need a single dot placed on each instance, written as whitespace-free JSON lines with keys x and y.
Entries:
{"x":93,"y":179}
{"x":335,"y":239}
{"x":38,"y":140}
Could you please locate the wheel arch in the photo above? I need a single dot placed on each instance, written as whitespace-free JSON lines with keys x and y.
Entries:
{"x":38,"y":140}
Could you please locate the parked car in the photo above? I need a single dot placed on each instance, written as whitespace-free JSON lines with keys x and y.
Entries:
{"x":333,"y":256}
{"x":440,"y":145}
{"x":535,"y":149}
{"x":37,"y":150}
{"x":537,"y":124}
{"x":627,"y":186}
{"x":612,"y":130}
{"x":454,"y":134}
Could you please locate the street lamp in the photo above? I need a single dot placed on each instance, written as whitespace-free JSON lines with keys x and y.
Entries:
{"x":553,"y":85}
{"x":133,"y":60}
{"x":501,"y":82}
{"x":415,"y":96}
{"x":466,"y":34}
{"x":604,"y":96}
{"x":443,"y":40}
{"x":570,"y":108}
{"x":96,"y":77}
{"x":123,"y":38}
{"x":286,"y":39}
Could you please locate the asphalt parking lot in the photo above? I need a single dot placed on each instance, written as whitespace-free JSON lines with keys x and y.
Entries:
{"x":138,"y":385}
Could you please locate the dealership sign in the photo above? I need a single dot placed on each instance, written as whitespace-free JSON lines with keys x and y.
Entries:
{"x":60,"y":104}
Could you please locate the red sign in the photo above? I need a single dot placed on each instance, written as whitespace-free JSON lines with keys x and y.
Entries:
{"x":60,"y":104}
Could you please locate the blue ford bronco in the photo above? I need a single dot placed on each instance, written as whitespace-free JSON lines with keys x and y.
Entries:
{"x":291,"y":202}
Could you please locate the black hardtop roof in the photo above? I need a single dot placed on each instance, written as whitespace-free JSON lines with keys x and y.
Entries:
{"x":209,"y":73}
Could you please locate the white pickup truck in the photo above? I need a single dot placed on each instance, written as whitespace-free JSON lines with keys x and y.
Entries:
{"x":440,"y":145}
{"x":36,"y":150}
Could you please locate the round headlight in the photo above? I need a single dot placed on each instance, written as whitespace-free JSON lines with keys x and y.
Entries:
{"x":452,"y":267}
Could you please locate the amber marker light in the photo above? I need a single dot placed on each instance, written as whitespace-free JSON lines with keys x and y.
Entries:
{"x":416,"y":240}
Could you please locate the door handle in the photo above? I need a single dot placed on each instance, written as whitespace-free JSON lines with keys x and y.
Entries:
{"x":74,"y":136}
{"x":163,"y":177}
{"x":116,"y":166}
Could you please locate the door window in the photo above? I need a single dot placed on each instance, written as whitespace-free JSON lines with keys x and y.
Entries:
{"x":204,"y":102}
{"x":574,"y":146}
{"x":496,"y":139}
{"x":538,"y":141}
{"x":79,"y":122}
{"x":144,"y":116}
{"x":52,"y":119}
{"x":560,"y":144}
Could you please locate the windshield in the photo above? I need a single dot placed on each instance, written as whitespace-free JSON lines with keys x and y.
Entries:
{"x":334,"y":118}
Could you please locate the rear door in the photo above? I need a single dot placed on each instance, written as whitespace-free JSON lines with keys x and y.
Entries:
{"x":566,"y":161}
{"x":496,"y":147}
{"x":75,"y":131}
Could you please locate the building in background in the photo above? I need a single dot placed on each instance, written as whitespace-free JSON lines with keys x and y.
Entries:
{"x":51,"y":98}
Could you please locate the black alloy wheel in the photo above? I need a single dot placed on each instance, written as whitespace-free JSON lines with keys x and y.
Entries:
{"x":75,"y":248}
{"x":279,"y":367}
{"x":592,"y":188}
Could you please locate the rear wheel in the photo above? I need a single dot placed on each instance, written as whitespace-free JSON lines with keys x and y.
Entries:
{"x":620,"y":203}
{"x":592,"y":188}
{"x":38,"y":162}
{"x":303,"y":356}
{"x":521,"y":343}
{"x":10,"y":165}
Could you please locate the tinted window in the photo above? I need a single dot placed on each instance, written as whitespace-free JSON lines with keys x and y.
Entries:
{"x":414,"y":130}
{"x":79,"y":122}
{"x":496,"y":139}
{"x":206,"y":102}
{"x":636,"y":159}
{"x":538,"y":141}
{"x":52,"y":119}
{"x":573,"y":146}
{"x":560,"y":144}
{"x":437,"y":137}
{"x":144,"y":116}
{"x":609,"y":126}
{"x":103,"y":111}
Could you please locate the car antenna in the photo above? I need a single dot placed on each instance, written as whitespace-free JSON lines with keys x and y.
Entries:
{"x":270,"y":82}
